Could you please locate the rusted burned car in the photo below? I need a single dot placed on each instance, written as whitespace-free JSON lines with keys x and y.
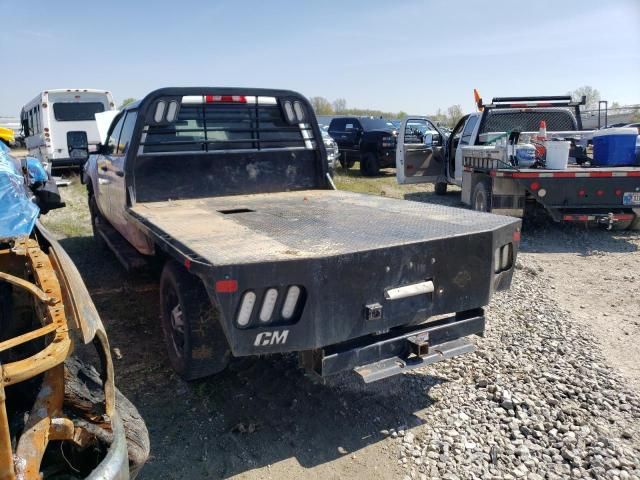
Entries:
{"x":59,"y":416}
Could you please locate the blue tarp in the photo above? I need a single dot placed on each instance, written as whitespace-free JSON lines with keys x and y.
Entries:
{"x":18,"y":213}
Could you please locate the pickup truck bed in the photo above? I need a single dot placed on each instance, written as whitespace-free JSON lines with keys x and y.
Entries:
{"x":304,"y":224}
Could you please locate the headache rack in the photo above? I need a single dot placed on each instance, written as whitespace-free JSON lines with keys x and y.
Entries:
{"x":534,"y":102}
{"x":228,"y":125}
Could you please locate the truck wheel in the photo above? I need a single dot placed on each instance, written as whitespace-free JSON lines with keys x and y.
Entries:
{"x":482,"y":197}
{"x":619,"y":226}
{"x":635,"y":224}
{"x":441,"y":188}
{"x":196,"y":344}
{"x":96,"y":219}
{"x":369,"y":165}
{"x":345,"y":162}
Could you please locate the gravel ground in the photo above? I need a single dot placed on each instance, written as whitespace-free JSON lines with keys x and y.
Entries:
{"x":543,"y":396}
{"x":535,"y":401}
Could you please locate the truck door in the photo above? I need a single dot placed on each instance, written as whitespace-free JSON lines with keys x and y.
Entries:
{"x":117,"y":187}
{"x":346,"y":133}
{"x":104,"y":167}
{"x":461,"y":136}
{"x":420,"y":152}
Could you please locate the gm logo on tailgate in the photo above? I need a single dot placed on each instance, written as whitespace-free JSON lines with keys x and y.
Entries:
{"x":266,"y":339}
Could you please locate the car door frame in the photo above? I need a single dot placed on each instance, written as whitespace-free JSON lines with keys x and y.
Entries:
{"x":436,"y":167}
{"x":457,"y":154}
{"x":117,"y":187}
{"x":104,"y":170}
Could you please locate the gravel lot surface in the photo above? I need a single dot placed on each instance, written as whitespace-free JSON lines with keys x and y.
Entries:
{"x":551,"y":391}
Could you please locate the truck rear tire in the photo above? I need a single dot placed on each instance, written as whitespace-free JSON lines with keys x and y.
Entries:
{"x":196,"y":344}
{"x":369,"y":165}
{"x":441,"y":188}
{"x":482,"y":196}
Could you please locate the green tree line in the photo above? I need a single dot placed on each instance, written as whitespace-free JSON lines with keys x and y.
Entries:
{"x":322,"y":106}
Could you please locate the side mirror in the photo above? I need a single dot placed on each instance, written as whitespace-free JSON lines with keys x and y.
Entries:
{"x":78,"y":145}
{"x":432,"y":139}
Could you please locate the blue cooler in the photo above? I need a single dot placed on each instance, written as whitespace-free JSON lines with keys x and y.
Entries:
{"x":615,"y":147}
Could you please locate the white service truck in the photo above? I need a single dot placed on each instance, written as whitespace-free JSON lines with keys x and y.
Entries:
{"x":473,"y":158}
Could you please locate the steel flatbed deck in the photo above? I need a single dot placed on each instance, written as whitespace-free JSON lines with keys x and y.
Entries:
{"x":269,"y":227}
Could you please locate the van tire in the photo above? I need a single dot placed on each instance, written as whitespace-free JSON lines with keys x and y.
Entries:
{"x":196,"y":343}
{"x":441,"y":188}
{"x":481,"y":198}
{"x":369,"y":165}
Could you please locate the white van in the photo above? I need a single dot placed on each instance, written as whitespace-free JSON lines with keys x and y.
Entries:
{"x":59,"y":126}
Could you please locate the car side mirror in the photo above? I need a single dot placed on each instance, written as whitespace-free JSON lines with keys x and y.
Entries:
{"x":78,"y":145}
{"x":432,"y":139}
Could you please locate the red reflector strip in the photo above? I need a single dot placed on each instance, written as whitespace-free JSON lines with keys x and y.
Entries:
{"x":187,"y":263}
{"x":225,"y":99}
{"x":516,"y":236}
{"x":577,"y":218}
{"x":581,"y":174}
{"x":589,"y":218}
{"x":226,"y":286}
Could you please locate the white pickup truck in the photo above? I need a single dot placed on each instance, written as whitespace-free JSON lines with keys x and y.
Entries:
{"x":580,"y":193}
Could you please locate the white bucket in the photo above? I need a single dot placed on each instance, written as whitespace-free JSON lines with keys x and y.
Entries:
{"x":557,"y":155}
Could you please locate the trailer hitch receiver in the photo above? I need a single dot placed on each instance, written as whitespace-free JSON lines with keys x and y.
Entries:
{"x":419,"y":344}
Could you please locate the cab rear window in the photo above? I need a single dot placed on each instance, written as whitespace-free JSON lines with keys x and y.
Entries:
{"x":224,"y":127}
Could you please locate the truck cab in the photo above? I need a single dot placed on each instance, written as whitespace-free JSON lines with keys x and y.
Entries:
{"x":370,"y":140}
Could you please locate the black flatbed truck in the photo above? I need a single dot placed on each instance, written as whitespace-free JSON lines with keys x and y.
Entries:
{"x":262,"y":255}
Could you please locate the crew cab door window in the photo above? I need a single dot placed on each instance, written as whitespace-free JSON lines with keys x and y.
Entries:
{"x":117,"y":185}
{"x":114,"y":135}
{"x":465,"y":139}
{"x":460,"y":140}
{"x":126,"y":133}
{"x":104,"y":164}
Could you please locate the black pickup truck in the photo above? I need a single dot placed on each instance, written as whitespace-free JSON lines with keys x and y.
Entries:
{"x":229,"y":189}
{"x":370,"y":140}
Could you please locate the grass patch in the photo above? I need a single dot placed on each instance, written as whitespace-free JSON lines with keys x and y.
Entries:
{"x":74,"y":219}
{"x":385,"y":184}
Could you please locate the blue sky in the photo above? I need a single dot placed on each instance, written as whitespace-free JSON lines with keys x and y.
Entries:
{"x":410,"y":55}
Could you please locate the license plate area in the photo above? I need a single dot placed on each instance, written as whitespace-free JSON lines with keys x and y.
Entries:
{"x":631,"y":198}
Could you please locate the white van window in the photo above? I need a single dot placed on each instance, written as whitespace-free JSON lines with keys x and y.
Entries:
{"x":77,"y":111}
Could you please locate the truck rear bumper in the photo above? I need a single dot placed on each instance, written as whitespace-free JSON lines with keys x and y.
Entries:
{"x":375,"y":357}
